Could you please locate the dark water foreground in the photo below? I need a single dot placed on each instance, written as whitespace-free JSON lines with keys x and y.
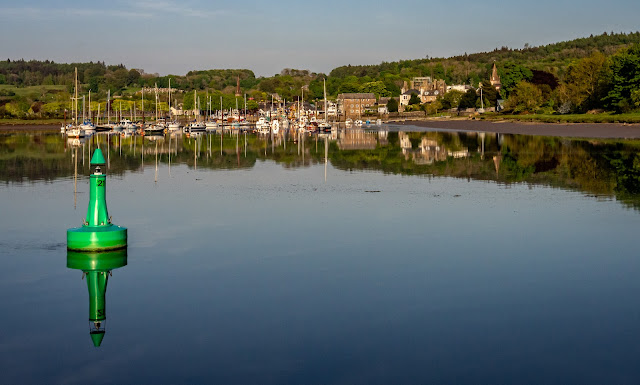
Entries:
{"x":364,"y":257}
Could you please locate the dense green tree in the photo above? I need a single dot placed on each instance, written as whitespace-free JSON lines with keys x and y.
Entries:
{"x":378,"y":88}
{"x":415,"y":99}
{"x":544,"y":77}
{"x":133,"y":77}
{"x":624,"y":79}
{"x":18,"y":108}
{"x":392,"y":86}
{"x":433,"y":107}
{"x":349,"y":87}
{"x":469,"y":99}
{"x":93,"y":84}
{"x":451,"y":99}
{"x":586,"y":83}
{"x":635,"y":97}
{"x":316,"y":89}
{"x":489,"y":94}
{"x":525,"y":97}
{"x":511,"y":75}
{"x":392,"y":105}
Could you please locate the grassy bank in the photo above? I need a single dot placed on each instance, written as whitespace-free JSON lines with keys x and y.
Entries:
{"x":44,"y":93}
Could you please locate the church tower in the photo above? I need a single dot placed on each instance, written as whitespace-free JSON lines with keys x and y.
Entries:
{"x":495,"y":78}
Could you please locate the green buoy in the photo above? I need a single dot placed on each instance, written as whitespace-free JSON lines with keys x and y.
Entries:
{"x":97,"y":232}
{"x":96,"y":267}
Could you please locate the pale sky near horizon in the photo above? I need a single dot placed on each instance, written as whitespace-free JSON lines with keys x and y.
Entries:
{"x":173,"y":37}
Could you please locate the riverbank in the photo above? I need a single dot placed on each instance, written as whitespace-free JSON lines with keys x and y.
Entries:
{"x":31,"y":122}
{"x":577,"y":130}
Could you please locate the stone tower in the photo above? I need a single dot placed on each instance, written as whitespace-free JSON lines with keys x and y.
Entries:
{"x":495,"y":78}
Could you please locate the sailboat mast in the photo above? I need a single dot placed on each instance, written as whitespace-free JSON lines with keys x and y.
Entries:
{"x":76,"y":98}
{"x":324,"y":85}
{"x":75,"y":119}
{"x":156,"y":103}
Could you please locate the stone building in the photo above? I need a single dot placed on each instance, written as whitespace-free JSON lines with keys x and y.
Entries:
{"x":428,"y":89}
{"x":353,"y":105}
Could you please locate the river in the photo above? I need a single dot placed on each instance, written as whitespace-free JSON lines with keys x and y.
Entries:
{"x":392,"y":254}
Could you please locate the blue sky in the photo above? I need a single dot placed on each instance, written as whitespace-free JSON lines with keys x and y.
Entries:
{"x":173,"y":37}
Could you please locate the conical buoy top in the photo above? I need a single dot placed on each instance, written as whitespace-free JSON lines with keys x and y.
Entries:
{"x":98,"y":159}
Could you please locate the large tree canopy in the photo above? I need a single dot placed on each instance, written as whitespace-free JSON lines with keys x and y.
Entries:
{"x":625,"y":79}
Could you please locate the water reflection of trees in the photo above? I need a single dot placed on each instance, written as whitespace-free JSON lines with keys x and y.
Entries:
{"x":599,"y":167}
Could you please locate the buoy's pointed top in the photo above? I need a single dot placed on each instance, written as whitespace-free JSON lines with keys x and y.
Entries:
{"x":98,"y":159}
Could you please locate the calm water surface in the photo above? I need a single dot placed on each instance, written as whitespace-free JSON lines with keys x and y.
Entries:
{"x":362,"y":257}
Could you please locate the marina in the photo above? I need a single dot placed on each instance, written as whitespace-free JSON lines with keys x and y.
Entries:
{"x":219,"y":193}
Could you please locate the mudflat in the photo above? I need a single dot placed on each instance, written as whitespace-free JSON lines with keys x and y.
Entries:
{"x":576,"y":130}
{"x":29,"y":127}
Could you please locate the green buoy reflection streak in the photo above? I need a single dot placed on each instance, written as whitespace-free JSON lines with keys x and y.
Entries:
{"x":97,"y":232}
{"x":96,"y":268}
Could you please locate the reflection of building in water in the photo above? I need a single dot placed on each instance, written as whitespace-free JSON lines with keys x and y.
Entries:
{"x":357,"y":139}
{"x":383,"y":137}
{"x":429,"y":151}
{"x":496,"y":162}
{"x":405,"y":143}
{"x":459,"y":154}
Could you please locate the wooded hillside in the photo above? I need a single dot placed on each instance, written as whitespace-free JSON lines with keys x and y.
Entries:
{"x":572,"y":76}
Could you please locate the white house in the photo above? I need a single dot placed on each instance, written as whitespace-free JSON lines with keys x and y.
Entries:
{"x":406,"y":96}
{"x":459,"y":87}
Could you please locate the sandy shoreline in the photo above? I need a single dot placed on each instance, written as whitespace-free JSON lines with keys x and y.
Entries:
{"x":577,"y":130}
